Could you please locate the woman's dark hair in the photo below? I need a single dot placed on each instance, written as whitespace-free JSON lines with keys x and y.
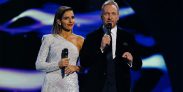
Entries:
{"x":58,"y":15}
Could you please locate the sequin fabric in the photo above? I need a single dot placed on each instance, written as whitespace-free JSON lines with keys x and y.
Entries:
{"x":47,"y":61}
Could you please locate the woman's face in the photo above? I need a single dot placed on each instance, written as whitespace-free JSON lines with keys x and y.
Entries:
{"x":68,"y":20}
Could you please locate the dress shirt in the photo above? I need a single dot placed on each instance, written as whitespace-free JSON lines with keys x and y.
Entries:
{"x":114,"y":36}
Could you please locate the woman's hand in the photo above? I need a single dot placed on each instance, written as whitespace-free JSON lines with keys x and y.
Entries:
{"x":64,"y":62}
{"x":71,"y":69}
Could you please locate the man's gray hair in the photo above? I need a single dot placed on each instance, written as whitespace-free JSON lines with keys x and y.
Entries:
{"x":110,"y":2}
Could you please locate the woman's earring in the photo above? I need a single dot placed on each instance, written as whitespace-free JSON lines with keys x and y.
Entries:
{"x":58,"y":22}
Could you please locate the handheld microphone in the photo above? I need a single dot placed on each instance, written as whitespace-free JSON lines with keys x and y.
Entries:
{"x":108,"y":26}
{"x":64,"y":55}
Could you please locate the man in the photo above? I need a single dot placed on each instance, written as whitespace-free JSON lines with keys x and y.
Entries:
{"x":108,"y":54}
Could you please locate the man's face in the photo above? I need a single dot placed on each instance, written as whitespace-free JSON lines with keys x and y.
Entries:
{"x":110,"y":15}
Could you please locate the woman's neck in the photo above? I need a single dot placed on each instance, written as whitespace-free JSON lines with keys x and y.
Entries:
{"x":65,"y":34}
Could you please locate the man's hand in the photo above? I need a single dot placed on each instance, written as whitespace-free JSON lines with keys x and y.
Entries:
{"x":128,"y":56}
{"x":105,"y":41}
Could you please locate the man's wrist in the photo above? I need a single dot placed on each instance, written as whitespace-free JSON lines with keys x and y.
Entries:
{"x":130,"y":64}
{"x":102,"y":50}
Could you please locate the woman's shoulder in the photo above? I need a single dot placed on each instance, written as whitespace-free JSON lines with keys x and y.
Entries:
{"x":48,"y":37}
{"x":79,"y":37}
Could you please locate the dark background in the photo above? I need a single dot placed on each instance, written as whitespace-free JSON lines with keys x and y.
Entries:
{"x":161,"y":19}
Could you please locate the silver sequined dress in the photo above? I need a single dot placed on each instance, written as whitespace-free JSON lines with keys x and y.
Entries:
{"x":47,"y":61}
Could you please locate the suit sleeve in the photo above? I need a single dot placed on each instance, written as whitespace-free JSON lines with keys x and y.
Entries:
{"x":90,"y":52}
{"x":128,"y":44}
{"x":137,"y":61}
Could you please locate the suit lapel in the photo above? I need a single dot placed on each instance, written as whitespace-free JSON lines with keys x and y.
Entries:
{"x":101,"y":32}
{"x":119,"y":40}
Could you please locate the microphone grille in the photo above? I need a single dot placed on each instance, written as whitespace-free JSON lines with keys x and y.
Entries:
{"x":108,"y":25}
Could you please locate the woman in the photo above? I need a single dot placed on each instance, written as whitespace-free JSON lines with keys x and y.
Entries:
{"x":60,"y":71}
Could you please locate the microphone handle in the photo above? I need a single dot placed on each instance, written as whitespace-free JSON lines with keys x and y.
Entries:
{"x":106,"y":47}
{"x":64,"y":55}
{"x":63,"y":72}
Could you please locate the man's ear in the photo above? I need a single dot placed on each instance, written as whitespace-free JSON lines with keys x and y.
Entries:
{"x":118,"y":17}
{"x":101,"y":17}
{"x":58,"y":22}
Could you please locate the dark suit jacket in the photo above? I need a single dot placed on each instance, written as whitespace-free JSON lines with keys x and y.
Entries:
{"x":95,"y":65}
